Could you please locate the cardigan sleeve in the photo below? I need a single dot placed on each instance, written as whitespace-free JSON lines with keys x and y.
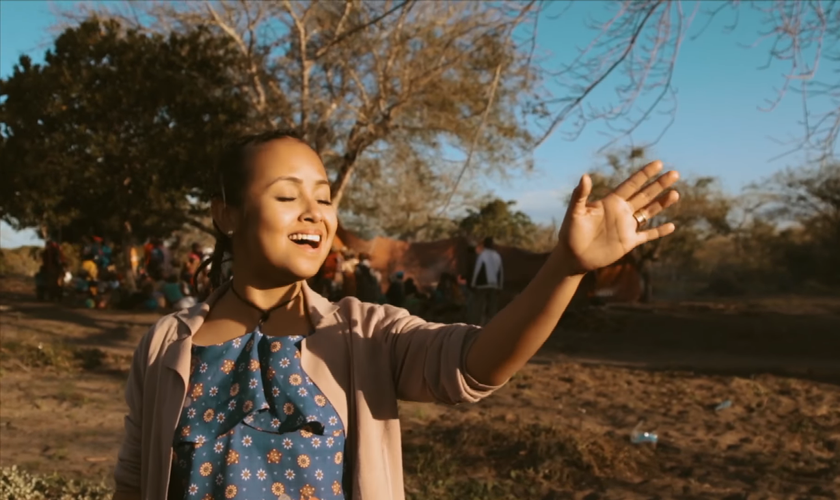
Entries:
{"x":127,"y":471}
{"x":428,"y":360}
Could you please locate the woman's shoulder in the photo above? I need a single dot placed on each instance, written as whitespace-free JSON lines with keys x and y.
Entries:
{"x":372,"y":319}
{"x":352,"y":306}
{"x":159,"y":335}
{"x":166,"y":323}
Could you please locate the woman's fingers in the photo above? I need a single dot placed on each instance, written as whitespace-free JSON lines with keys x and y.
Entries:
{"x":655,"y":233}
{"x":650,"y":192}
{"x":580,"y":196}
{"x":636,"y":181}
{"x":652,"y":209}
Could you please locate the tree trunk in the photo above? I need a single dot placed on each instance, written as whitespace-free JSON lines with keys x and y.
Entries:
{"x":647,"y":287}
{"x":356,"y":143}
{"x":127,"y":244}
{"x":342,"y":180}
{"x":644,"y":257}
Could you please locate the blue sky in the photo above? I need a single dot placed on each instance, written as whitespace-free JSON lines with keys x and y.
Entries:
{"x":719,"y":129}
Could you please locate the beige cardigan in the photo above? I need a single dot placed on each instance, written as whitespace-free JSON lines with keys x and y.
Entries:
{"x":363,"y":357}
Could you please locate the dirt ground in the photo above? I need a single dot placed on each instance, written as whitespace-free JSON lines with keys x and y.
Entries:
{"x":559,"y":429}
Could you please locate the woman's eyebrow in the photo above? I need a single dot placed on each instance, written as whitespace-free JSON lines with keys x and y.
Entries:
{"x":296,"y":180}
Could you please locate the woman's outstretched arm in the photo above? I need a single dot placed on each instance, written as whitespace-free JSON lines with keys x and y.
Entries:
{"x":593,"y":235}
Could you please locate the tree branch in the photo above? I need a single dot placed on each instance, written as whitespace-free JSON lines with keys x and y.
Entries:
{"x":476,"y":136}
{"x":338,"y":39}
{"x":598,"y":80}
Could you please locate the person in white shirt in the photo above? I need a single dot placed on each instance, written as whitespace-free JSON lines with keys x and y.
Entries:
{"x":487,"y":282}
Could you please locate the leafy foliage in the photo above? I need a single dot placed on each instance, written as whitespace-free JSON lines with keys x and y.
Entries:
{"x":497,"y":218}
{"x":17,"y":484}
{"x":115,"y":130}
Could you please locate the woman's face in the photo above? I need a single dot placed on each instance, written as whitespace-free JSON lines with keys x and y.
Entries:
{"x":286,"y":224}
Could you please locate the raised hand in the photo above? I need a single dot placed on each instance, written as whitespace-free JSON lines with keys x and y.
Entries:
{"x":595,"y":234}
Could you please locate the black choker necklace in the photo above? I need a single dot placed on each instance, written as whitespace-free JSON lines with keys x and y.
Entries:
{"x":264,"y":313}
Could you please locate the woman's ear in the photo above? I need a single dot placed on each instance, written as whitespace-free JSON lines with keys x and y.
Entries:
{"x":223,"y":216}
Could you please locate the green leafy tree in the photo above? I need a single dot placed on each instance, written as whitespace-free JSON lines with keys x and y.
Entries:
{"x":497,"y":218}
{"x":114,"y":134}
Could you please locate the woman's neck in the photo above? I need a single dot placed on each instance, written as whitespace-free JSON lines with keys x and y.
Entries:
{"x":266,"y":298}
{"x":233,"y":309}
{"x":262,"y":289}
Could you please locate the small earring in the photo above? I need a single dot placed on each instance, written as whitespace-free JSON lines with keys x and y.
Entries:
{"x":230,"y":233}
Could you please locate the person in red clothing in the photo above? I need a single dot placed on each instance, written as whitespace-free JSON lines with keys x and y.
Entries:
{"x":192,"y":264}
{"x":147,"y":256}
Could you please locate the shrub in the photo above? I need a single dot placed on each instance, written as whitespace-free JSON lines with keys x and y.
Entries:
{"x":16,"y":484}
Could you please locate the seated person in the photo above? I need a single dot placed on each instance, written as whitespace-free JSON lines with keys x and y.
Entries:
{"x":173,"y":292}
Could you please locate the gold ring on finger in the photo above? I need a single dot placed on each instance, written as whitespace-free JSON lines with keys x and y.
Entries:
{"x":640,"y":217}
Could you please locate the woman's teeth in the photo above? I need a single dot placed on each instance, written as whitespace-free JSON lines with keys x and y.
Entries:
{"x":316,"y":238}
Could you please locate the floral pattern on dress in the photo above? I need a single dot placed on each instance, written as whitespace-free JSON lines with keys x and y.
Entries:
{"x":254,"y":426}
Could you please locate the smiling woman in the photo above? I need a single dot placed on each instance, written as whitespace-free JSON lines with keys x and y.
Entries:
{"x":273,"y":206}
{"x":273,"y":387}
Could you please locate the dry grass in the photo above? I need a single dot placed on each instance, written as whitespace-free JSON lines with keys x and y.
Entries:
{"x":559,"y":429}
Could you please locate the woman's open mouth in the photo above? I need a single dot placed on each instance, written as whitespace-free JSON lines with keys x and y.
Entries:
{"x":306,"y":239}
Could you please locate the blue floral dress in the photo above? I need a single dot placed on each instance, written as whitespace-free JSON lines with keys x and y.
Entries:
{"x":255,"y":427}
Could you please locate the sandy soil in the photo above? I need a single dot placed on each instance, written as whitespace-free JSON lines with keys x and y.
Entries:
{"x":559,"y":429}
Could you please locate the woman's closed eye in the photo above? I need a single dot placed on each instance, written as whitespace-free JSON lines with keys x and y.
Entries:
{"x":291,"y":198}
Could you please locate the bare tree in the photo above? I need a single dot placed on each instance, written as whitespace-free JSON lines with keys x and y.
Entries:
{"x":803,"y":194}
{"x":456,"y":90}
{"x":639,"y":46}
{"x":416,"y":190}
{"x":373,"y":83}
{"x":806,"y":35}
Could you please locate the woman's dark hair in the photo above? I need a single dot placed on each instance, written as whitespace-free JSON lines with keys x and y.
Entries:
{"x":231,"y":177}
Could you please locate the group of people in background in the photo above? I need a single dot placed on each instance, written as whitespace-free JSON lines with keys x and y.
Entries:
{"x":93,"y":280}
{"x":160,"y":281}
{"x":346,"y":275}
{"x":166,"y":282}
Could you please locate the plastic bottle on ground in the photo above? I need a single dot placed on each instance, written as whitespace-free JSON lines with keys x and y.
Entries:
{"x":724,"y":405}
{"x":638,"y":436}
